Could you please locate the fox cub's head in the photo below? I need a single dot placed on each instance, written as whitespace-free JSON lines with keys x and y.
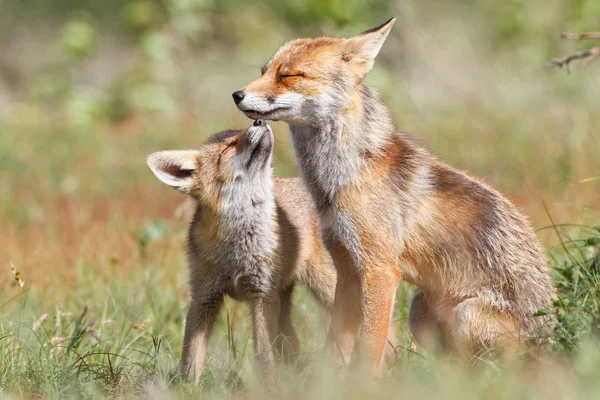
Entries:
{"x":230,"y":166}
{"x":308,"y":78}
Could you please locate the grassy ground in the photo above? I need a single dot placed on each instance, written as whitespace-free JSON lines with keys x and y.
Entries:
{"x":98,"y":247}
{"x":97,"y":244}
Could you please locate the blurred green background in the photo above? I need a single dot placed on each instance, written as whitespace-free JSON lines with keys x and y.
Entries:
{"x":468,"y":77}
{"x":108,"y":60}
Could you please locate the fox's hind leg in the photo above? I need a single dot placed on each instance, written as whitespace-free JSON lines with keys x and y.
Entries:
{"x":477,"y":329}
{"x":425,"y":325}
{"x":287,"y":344}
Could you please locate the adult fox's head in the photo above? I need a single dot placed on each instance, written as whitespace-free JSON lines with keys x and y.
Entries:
{"x":310,"y":78}
{"x":232,"y":166}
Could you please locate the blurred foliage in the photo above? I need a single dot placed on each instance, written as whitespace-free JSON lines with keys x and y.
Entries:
{"x":153,"y":231}
{"x":78,"y":38}
{"x":159,"y":29}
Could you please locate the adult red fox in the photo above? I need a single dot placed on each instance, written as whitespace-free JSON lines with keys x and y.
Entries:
{"x":389,"y":210}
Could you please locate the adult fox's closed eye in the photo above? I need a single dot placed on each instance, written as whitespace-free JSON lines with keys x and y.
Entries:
{"x":252,"y":238}
{"x":390,"y":210}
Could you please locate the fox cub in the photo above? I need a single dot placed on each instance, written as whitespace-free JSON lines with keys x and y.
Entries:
{"x":390,"y":210}
{"x":252,"y":238}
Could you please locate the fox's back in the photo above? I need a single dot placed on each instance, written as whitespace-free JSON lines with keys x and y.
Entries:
{"x":462,"y":231}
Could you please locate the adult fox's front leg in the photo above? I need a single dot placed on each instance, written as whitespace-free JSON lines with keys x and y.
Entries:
{"x":378,"y":289}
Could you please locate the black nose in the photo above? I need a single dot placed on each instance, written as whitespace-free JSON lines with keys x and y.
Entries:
{"x":259,"y":122}
{"x":238,"y":96}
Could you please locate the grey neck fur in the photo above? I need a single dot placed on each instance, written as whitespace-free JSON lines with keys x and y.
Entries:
{"x":331,"y":150}
{"x":246,"y":226}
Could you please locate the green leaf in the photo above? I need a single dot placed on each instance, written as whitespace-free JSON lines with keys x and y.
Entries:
{"x":78,"y":38}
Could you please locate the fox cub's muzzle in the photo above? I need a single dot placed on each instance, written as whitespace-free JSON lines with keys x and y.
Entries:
{"x":260,"y":141}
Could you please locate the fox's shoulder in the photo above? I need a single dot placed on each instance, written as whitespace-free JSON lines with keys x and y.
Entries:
{"x":399,"y":159}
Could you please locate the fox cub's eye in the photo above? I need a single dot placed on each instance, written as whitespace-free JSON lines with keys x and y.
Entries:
{"x":227,"y":147}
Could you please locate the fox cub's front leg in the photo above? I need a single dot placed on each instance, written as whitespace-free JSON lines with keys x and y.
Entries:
{"x":265,"y":326}
{"x":198,"y":327}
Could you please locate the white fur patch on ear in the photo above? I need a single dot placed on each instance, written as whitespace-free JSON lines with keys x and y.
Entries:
{"x":174,"y":167}
{"x":365,"y":46}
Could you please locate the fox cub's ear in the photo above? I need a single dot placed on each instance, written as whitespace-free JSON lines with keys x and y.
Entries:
{"x":174,"y":167}
{"x":363,"y":48}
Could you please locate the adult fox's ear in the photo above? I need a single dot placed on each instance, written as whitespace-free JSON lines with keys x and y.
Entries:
{"x":363,"y":48}
{"x":174,"y":167}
